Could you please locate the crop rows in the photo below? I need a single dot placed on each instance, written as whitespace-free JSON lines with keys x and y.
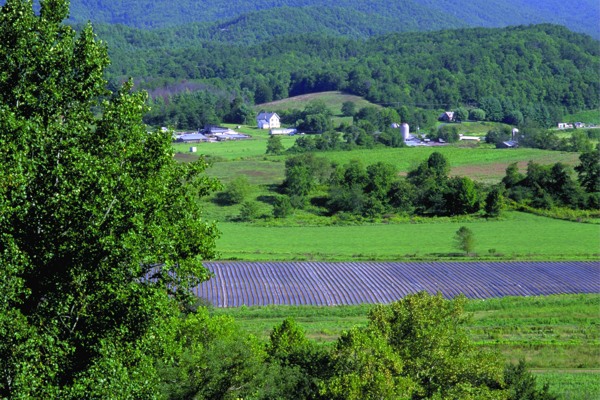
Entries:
{"x":240,"y":283}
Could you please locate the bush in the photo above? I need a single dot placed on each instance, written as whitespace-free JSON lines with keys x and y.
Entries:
{"x":282,"y":207}
{"x":249,"y":211}
{"x":237,"y":190}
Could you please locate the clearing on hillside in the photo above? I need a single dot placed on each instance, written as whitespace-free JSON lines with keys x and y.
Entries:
{"x":333,"y":100}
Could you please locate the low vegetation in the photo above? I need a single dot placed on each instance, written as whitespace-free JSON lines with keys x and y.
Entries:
{"x":558,"y":336}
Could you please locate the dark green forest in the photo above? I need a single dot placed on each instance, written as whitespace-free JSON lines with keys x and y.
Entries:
{"x":544,"y":69}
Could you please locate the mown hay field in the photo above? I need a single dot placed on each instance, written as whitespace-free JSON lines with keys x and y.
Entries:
{"x":515,"y":236}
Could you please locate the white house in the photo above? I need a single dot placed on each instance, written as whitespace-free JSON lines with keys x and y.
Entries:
{"x":266,"y":120}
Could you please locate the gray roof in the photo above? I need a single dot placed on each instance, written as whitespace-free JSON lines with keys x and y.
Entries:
{"x":190,"y":137}
{"x":266,"y":116}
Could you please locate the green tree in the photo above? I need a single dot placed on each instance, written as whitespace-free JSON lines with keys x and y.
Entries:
{"x":588,"y":170}
{"x":448,"y":133}
{"x":101,"y":233}
{"x":428,"y":334}
{"x":380,"y":177}
{"x":365,"y":366}
{"x":522,"y":384}
{"x":462,"y":196}
{"x":274,"y":145}
{"x":249,"y":211}
{"x":461,"y":114}
{"x":498,"y":134}
{"x":215,"y":360}
{"x":494,"y":201}
{"x":436,"y":168}
{"x":477,"y":114}
{"x":465,"y":240}
{"x":513,"y":177}
{"x":237,"y":190}
{"x":348,"y":109}
{"x":291,"y":351}
{"x":492,"y":108}
{"x":282,"y":207}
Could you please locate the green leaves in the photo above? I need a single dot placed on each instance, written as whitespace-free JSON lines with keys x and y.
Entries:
{"x":101,"y":231}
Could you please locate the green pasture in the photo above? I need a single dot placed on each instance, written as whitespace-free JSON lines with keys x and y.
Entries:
{"x":515,"y":236}
{"x":482,"y":162}
{"x":333,"y":100}
{"x":588,"y":117}
{"x":472,"y":128}
{"x":576,"y":385}
{"x":406,"y":159}
{"x":558,"y":336}
{"x":232,"y":149}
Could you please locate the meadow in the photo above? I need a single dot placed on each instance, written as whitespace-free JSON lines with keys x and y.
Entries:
{"x":516,"y":235}
{"x":589,"y":116}
{"x":558,"y":336}
{"x":333,"y":101}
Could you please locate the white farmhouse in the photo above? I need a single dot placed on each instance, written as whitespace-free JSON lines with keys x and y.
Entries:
{"x":266,"y":120}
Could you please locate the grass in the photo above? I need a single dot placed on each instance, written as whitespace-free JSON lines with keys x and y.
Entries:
{"x":333,"y":100}
{"x":461,"y":159}
{"x":572,"y":385}
{"x":233,"y":149}
{"x":515,"y":236}
{"x":481,"y":163}
{"x":558,"y":336}
{"x":588,"y":117}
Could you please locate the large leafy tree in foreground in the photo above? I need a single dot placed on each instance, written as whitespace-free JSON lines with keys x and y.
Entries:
{"x":100,"y":229}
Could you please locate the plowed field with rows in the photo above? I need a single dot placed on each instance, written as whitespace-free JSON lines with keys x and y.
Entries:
{"x":238,"y":283}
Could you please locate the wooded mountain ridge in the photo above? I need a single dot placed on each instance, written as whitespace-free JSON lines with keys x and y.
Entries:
{"x":378,"y":15}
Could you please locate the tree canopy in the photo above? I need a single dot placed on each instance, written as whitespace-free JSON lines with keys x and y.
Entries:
{"x":101,"y":233}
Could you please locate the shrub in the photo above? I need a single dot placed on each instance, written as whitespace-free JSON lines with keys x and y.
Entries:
{"x":237,"y":190}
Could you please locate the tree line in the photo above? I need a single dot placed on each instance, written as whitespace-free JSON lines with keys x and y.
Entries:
{"x":534,"y":73}
{"x":376,"y":190}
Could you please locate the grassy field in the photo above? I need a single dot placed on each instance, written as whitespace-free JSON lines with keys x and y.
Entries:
{"x":558,"y":336}
{"x":482,"y":163}
{"x":588,"y":117}
{"x":515,"y":236}
{"x":333,"y":101}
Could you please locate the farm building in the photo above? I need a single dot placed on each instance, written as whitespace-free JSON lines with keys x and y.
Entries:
{"x":509,"y":144}
{"x":448,"y":116}
{"x":266,"y":120}
{"x":565,"y":125}
{"x":283,"y":131}
{"x":191,"y":138}
{"x":469,"y":138}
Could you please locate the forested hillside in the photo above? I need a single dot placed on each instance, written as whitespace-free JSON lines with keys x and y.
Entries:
{"x":581,"y":16}
{"x":540,"y":71}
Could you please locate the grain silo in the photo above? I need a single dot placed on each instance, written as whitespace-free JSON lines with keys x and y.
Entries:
{"x":404,"y":130}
